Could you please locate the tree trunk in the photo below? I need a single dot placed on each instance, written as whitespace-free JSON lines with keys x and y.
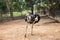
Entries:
{"x":10,"y":7}
{"x":32,"y":9}
{"x":11,"y":12}
{"x":1,"y":17}
{"x":52,"y":12}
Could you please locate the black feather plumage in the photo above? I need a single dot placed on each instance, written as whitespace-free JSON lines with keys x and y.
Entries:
{"x":32,"y":17}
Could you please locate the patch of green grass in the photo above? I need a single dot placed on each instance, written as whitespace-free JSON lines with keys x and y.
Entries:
{"x":23,"y":13}
{"x":16,"y":14}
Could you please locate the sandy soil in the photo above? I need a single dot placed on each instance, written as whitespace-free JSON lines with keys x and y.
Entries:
{"x":46,"y":29}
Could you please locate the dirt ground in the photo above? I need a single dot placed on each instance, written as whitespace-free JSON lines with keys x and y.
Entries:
{"x":46,"y":29}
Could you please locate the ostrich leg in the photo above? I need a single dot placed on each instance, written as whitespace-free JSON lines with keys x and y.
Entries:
{"x":26,"y":30}
{"x":32,"y":28}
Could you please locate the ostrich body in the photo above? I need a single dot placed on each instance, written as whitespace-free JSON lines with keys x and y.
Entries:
{"x":31,"y":19}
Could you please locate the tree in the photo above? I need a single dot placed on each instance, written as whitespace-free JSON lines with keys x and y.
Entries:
{"x":53,"y":4}
{"x":3,"y":9}
{"x":9,"y":4}
{"x":31,"y":3}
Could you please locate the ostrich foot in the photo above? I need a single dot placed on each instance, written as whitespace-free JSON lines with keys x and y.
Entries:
{"x":32,"y":34}
{"x":25,"y":35}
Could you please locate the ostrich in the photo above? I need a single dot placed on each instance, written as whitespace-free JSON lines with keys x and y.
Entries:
{"x":31,"y":19}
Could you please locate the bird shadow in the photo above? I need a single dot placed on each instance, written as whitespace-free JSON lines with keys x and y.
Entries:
{"x":56,"y":21}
